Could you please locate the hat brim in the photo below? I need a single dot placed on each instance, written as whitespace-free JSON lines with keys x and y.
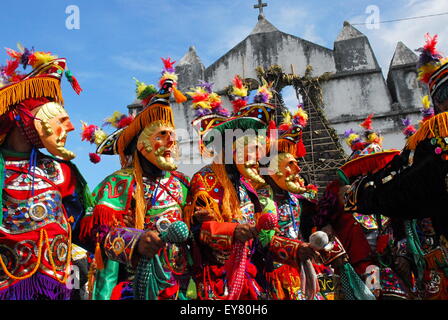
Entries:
{"x":369,"y":163}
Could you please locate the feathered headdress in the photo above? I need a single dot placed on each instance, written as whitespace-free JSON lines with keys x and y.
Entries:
{"x":264,"y":93}
{"x":21,"y":92}
{"x":205,"y":101}
{"x":95,"y":135}
{"x":354,"y":140}
{"x":42,"y":81}
{"x":238,"y":94}
{"x":168,"y":73}
{"x":370,"y":135}
{"x":290,"y":133}
{"x":367,"y":155}
{"x":144,"y":91}
{"x":433,"y":69}
{"x":212,"y":115}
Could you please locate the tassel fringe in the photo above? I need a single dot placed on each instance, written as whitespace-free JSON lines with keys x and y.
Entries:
{"x":153,"y":113}
{"x":207,"y":202}
{"x":438,"y":123}
{"x":30,"y":88}
{"x":140,"y":205}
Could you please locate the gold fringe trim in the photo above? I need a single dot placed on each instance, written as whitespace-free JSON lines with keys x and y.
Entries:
{"x":207,"y":203}
{"x":30,"y":88}
{"x":140,"y":204}
{"x":285,"y":146}
{"x":438,"y":123}
{"x":157,"y":112}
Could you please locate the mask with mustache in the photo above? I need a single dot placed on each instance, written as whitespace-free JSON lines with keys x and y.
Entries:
{"x":52,"y":123}
{"x":158,"y":145}
{"x":284,"y":170}
{"x":246,"y":158}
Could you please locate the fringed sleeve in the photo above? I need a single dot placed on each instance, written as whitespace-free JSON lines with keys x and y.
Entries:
{"x":112,"y":199}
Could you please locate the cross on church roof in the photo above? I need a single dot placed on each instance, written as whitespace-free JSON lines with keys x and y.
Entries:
{"x":260,"y":6}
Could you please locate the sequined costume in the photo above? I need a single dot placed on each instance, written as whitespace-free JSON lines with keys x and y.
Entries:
{"x":43,"y":197}
{"x":165,"y":199}
{"x":283,"y":275}
{"x":40,"y":220}
{"x":149,"y":192}
{"x":215,"y":237}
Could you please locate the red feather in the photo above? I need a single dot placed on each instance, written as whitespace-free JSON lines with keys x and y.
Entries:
{"x":238,"y":104}
{"x":168,"y":63}
{"x":300,"y":148}
{"x":431,"y":44}
{"x":13,"y":54}
{"x":284,"y":127}
{"x":200,"y":97}
{"x":87,"y":133}
{"x":125,"y":121}
{"x":11,"y":67}
{"x":367,"y":124}
{"x":237,"y":82}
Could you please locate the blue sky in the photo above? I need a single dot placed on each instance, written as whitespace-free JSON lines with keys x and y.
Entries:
{"x":121,"y":39}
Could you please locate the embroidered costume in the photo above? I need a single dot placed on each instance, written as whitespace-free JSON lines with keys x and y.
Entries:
{"x":224,"y":266}
{"x":43,"y":197}
{"x":148,"y":191}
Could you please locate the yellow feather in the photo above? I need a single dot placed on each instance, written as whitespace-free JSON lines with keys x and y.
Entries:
{"x":41,"y":58}
{"x":100,"y":136}
{"x":286,"y":117}
{"x":426,"y":102}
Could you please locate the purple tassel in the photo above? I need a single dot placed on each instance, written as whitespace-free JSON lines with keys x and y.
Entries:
{"x":37,"y":287}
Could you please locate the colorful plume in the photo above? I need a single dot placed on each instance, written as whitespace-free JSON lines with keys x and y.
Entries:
{"x":264,"y":94}
{"x":92,"y":134}
{"x":408,"y":129}
{"x":300,"y":118}
{"x":144,"y":91}
{"x":39,"y":58}
{"x":430,"y":59}
{"x":118,"y":120}
{"x":429,"y":53}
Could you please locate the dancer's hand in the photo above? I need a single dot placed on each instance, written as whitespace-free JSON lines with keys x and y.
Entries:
{"x":305,"y":252}
{"x":244,"y":232}
{"x":129,"y":220}
{"x":149,"y":244}
{"x":202,"y":215}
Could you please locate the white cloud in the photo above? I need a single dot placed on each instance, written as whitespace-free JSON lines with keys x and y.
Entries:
{"x":311,"y":35}
{"x":133,"y":63}
{"x":410,"y":32}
